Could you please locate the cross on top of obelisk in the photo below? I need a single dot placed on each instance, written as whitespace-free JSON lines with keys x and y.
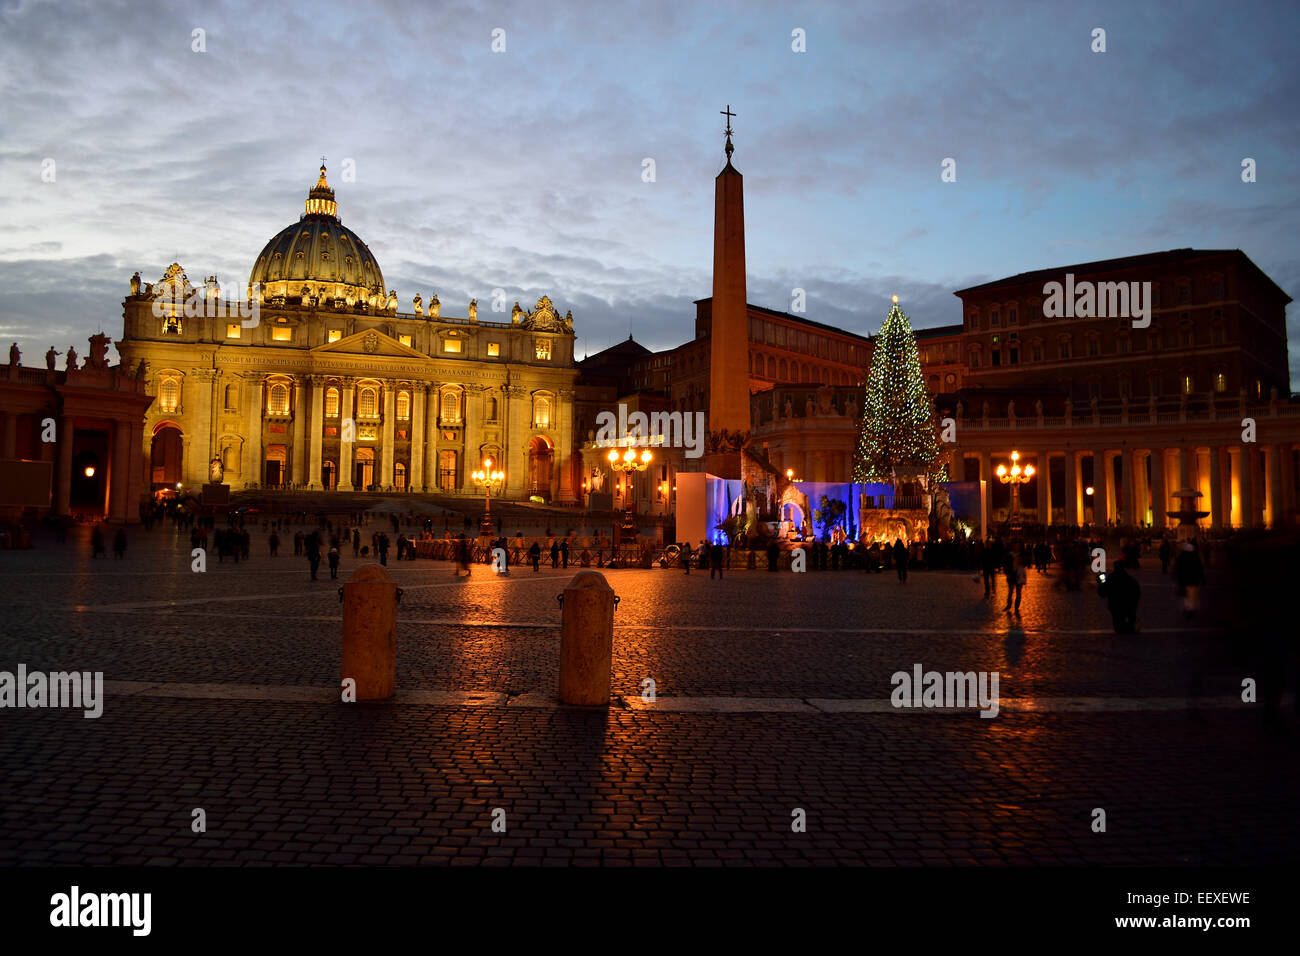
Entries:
{"x":728,"y":114}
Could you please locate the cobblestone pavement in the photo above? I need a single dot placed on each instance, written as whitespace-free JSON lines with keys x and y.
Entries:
{"x":788,"y":677}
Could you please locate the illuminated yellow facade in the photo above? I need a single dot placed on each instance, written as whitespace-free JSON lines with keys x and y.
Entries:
{"x":314,"y":381}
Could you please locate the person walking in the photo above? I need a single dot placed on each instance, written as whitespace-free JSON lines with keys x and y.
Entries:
{"x":383,"y":549}
{"x":715,"y":561}
{"x":356,"y":542}
{"x":1189,"y":572}
{"x":97,"y":542}
{"x":535,"y":556}
{"x":564,"y":553}
{"x":1122,"y":593}
{"x":334,"y":560}
{"x":275,"y":544}
{"x":686,"y":556}
{"x":900,"y":560}
{"x":1017,"y":573}
{"x":1166,"y":553}
{"x":555,"y":554}
{"x":312,"y":545}
{"x":989,"y":566}
{"x":119,"y":543}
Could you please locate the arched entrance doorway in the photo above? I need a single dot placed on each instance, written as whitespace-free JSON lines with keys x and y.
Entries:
{"x":539,"y":467}
{"x":165,"y":456}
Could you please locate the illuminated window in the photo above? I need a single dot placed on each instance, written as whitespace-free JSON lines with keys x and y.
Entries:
{"x":1220,"y":382}
{"x":543,"y":349}
{"x":169,"y":394}
{"x":277,"y":401}
{"x":1188,"y":384}
{"x":172,"y":325}
{"x":399,"y":476}
{"x":403,"y":406}
{"x":451,"y":345}
{"x":494,"y":349}
{"x":405,"y":340}
{"x":329,"y":473}
{"x":331,"y":403}
{"x":232,"y":330}
{"x":451,"y":406}
{"x":542,"y":412}
{"x":367,"y":403}
{"x":335,"y":335}
{"x":281,"y":333}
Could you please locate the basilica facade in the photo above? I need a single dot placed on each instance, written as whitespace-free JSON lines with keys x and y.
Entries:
{"x":313,"y":380}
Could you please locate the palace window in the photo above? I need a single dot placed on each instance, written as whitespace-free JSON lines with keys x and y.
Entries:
{"x":451,"y":406}
{"x":1188,"y":338}
{"x":405,"y":340}
{"x":494,"y":349}
{"x":403,"y":406}
{"x":232,"y":330}
{"x":232,"y":397}
{"x":1037,"y":351}
{"x":277,"y":400}
{"x":993,"y":321}
{"x":169,"y":394}
{"x":542,"y":412}
{"x":1063,"y":349}
{"x":1153,"y":385}
{"x":335,"y":335}
{"x":771,"y":368}
{"x":1094,"y":389}
{"x":1094,"y":347}
{"x":1184,"y":293}
{"x":542,"y":348}
{"x":451,"y":346}
{"x":491,"y":408}
{"x":281,"y":333}
{"x":1220,"y":382}
{"x":1124,"y":387}
{"x":1188,"y":384}
{"x":1122,"y":344}
{"x":781,"y":369}
{"x":329,"y":475}
{"x":331,"y":403}
{"x":399,"y":476}
{"x":1012,"y":316}
{"x":367,"y":404}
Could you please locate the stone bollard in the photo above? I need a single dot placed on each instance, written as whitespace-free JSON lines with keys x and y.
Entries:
{"x":370,"y":632}
{"x":586,"y":639}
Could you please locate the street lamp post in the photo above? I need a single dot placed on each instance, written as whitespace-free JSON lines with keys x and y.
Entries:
{"x":628,"y":463}
{"x":486,"y":478}
{"x":1015,"y":476}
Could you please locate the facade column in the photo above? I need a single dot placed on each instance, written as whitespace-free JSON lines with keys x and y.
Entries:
{"x":347,"y":435}
{"x":1127,"y":514}
{"x":564,"y":449}
{"x":1216,"y":488}
{"x":196,"y":392}
{"x":1138,"y":469}
{"x":1274,"y":486}
{"x":315,"y":425}
{"x":1112,"y":490}
{"x":119,"y":472}
{"x":386,"y":477}
{"x":1159,"y":488}
{"x":986,"y":492}
{"x":298,"y":466}
{"x":253,"y":440}
{"x":517,"y":418}
{"x":1045,"y":488}
{"x":63,"y":478}
{"x":415,"y":479}
{"x":1099,"y":501}
{"x":1071,"y":487}
{"x":431,"y":440}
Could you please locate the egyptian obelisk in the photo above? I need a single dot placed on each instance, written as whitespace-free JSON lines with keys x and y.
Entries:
{"x":729,"y":323}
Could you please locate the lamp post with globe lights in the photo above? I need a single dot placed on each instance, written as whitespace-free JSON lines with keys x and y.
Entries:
{"x":487,"y":478}
{"x":629,"y":463}
{"x":1015,"y":476}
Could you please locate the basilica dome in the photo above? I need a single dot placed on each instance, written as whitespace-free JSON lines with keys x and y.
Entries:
{"x":319,"y":252}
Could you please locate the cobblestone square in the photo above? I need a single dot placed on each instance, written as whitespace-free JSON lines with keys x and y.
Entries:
{"x":771,"y":705}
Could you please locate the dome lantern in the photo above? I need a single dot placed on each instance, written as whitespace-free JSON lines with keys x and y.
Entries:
{"x":320,"y":201}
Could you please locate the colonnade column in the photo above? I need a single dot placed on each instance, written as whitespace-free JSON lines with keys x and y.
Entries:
{"x":986,"y":492}
{"x":1045,"y":489}
{"x":1274,"y":486}
{"x":1099,"y":513}
{"x":1071,"y":487}
{"x":1159,"y":497}
{"x":119,"y":472}
{"x":63,"y":482}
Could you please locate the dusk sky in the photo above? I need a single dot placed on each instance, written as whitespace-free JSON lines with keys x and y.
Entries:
{"x":523,"y":169}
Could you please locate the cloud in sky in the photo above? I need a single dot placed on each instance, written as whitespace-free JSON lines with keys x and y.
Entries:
{"x":522,"y":170}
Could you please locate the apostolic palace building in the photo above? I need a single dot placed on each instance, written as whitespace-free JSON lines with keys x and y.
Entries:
{"x":272,"y":399}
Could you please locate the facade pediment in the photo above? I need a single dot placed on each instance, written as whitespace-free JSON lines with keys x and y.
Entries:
{"x":371,"y":342}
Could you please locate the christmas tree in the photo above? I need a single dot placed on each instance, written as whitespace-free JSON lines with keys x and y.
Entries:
{"x":897,"y":425}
